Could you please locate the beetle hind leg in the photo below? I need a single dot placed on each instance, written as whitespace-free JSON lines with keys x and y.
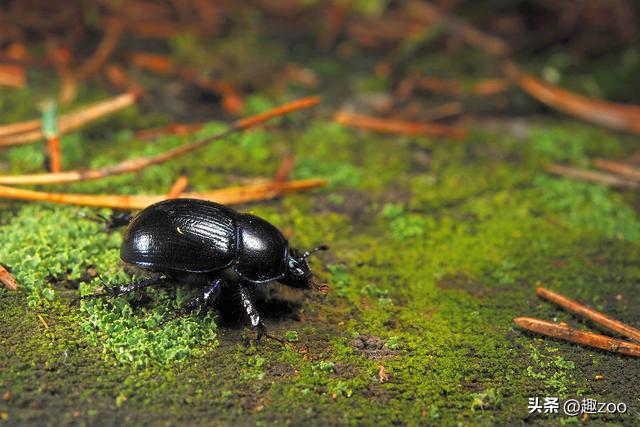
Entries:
{"x":119,"y":290}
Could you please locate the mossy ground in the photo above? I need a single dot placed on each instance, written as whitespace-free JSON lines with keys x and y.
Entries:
{"x":436,"y":246}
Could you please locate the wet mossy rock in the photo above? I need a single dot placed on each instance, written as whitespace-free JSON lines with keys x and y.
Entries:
{"x":429,"y":263}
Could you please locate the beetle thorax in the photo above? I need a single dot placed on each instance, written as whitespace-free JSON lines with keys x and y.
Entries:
{"x":261,"y":252}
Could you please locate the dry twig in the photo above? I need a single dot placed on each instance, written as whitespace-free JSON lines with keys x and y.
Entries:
{"x":178,"y":187}
{"x":608,"y":114}
{"x":566,"y":333}
{"x":591,"y":314}
{"x":488,"y":87}
{"x":618,"y":168}
{"x":12,"y":75}
{"x":55,"y":155}
{"x":7,"y":279}
{"x":228,"y":196}
{"x":398,"y":126}
{"x":285,"y":168}
{"x":179,"y":129}
{"x":232,"y":102}
{"x":139,"y":163}
{"x":30,"y":131}
{"x":112,"y":36}
{"x":591,"y":176}
{"x":432,"y":14}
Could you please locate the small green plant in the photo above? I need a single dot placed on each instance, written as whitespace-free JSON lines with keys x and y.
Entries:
{"x":394,"y":343}
{"x":341,"y":389}
{"x":488,"y":399}
{"x":402,"y":224}
{"x":291,"y":336}
{"x":553,"y":370}
{"x":339,"y":278}
{"x":326,"y":367}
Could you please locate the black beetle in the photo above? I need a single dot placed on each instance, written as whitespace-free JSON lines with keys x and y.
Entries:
{"x":208,"y":244}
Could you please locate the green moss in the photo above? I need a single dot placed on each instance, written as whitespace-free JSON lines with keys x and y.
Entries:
{"x":553,"y":370}
{"x":47,"y":258}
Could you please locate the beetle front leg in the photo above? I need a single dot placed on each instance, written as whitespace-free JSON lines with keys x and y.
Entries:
{"x":246,"y":298}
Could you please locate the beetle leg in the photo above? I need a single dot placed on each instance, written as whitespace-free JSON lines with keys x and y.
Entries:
{"x":113,"y":221}
{"x":116,"y":220}
{"x":119,"y":290}
{"x":210,"y":293}
{"x":246,"y":298}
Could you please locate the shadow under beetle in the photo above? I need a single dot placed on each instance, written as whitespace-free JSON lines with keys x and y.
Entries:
{"x":213,"y":246}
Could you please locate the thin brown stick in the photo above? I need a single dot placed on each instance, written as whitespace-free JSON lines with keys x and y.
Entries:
{"x":398,"y":126}
{"x":443,"y":111}
{"x":44,"y":323}
{"x":20,"y":127}
{"x":608,"y":114}
{"x":589,"y":339}
{"x":232,"y":101}
{"x":60,"y":58}
{"x":7,"y":279}
{"x":178,"y":187}
{"x":432,"y":14}
{"x":28,"y":132}
{"x":590,"y":176}
{"x":139,"y":163}
{"x":112,"y":35}
{"x":12,"y":75}
{"x":290,"y":107}
{"x":589,"y":313}
{"x":228,"y":196}
{"x":179,"y":129}
{"x":55,"y":156}
{"x":488,"y":87}
{"x":619,"y":168}
{"x":285,"y":168}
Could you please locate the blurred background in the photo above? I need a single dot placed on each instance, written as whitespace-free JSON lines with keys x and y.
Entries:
{"x":203,"y":59}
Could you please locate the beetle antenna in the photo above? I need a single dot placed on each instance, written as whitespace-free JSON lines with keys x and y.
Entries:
{"x":322,"y":247}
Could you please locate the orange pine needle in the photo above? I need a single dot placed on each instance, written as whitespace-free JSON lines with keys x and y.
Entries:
{"x":55,"y":156}
{"x":589,"y":313}
{"x":139,"y":163}
{"x":290,"y":107}
{"x":112,"y":36}
{"x":178,"y":187}
{"x":179,"y":129}
{"x":12,"y":75}
{"x":28,"y":132}
{"x":589,"y":339}
{"x":285,"y":168}
{"x":608,"y":114}
{"x":429,"y":13}
{"x":7,"y":279}
{"x":619,"y":168}
{"x":228,"y":196}
{"x":20,"y":127}
{"x":398,"y":126}
{"x":590,"y":176}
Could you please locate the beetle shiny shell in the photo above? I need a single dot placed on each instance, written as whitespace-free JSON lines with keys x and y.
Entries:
{"x":198,"y":236}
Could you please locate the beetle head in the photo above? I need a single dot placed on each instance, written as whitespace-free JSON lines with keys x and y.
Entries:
{"x":298,"y":271}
